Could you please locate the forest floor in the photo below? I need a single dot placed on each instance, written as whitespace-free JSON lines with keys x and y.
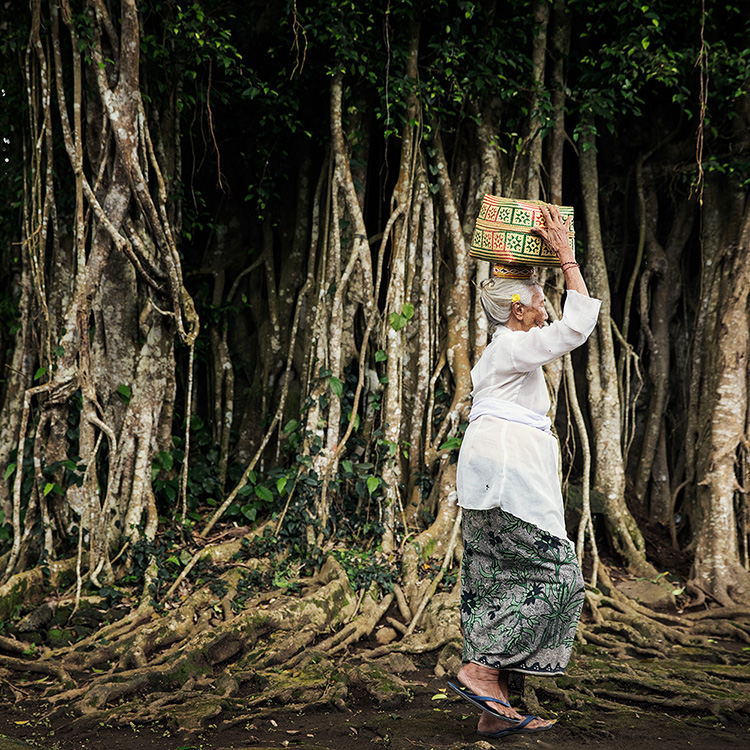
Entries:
{"x":272,"y":676}
{"x":432,"y":719}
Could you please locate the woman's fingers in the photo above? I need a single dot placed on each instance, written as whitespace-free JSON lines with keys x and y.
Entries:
{"x":556,"y":232}
{"x":547,"y":216}
{"x":552,"y":215}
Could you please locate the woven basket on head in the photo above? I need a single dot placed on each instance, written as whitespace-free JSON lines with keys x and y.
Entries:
{"x":503,"y":232}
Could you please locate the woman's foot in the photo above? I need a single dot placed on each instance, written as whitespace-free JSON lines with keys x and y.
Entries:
{"x":491,"y":725}
{"x":492,"y":683}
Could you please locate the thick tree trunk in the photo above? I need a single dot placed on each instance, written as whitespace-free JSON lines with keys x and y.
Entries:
{"x":604,"y":403}
{"x":560,"y":45}
{"x":126,"y":275}
{"x":459,"y":299}
{"x":417,"y":384}
{"x":723,"y":417}
{"x":541,"y":11}
{"x":395,"y":420}
{"x":19,"y":378}
{"x":660,"y":293}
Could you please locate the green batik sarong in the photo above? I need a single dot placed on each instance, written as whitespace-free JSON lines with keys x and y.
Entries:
{"x":521,"y":594}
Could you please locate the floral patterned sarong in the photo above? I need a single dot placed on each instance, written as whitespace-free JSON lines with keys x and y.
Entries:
{"x":521,"y":594}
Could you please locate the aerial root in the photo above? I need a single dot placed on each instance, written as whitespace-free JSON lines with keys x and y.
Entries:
{"x":172,"y":657}
{"x":13,"y":646}
{"x":40,"y":667}
{"x":693,"y":704}
{"x":650,"y":633}
{"x":721,"y":613}
{"x":361,"y":626}
{"x":530,"y":699}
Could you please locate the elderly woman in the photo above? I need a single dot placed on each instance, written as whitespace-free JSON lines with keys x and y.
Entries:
{"x":521,"y":588}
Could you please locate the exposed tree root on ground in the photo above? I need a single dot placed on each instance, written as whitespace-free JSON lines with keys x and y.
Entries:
{"x":233,"y":644}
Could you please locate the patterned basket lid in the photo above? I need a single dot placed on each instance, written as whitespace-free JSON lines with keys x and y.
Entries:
{"x":503,"y":233}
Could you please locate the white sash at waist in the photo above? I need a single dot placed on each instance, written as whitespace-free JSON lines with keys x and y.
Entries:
{"x":495,"y":407}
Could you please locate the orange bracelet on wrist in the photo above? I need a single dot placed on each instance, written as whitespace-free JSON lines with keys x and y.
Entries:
{"x":569,"y":264}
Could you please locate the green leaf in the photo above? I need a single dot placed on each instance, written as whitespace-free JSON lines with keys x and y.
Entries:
{"x":450,"y":444}
{"x":280,"y":581}
{"x":336,"y":386}
{"x":372,"y":484}
{"x":281,"y":484}
{"x":11,"y":468}
{"x":380,"y":356}
{"x":290,"y":426}
{"x":264,"y":493}
{"x":124,"y":393}
{"x":41,"y":372}
{"x":166,"y":460}
{"x":397,"y":321}
{"x":48,"y":488}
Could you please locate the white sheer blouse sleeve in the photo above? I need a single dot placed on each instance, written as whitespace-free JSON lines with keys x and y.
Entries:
{"x":528,"y":350}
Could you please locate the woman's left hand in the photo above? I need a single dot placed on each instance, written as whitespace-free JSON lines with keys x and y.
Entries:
{"x":556,"y":234}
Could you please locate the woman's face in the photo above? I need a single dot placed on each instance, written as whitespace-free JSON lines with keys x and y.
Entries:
{"x":535,"y":314}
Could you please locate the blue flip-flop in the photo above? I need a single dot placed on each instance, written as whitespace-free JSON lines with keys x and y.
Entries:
{"x":483,"y":701}
{"x":521,"y":728}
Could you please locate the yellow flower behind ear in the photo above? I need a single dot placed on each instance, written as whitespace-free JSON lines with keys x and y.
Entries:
{"x":516,"y":298}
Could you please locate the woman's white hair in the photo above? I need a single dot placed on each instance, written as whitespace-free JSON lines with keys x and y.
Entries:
{"x":496,"y":296}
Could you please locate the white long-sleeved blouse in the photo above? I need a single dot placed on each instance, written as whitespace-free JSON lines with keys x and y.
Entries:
{"x":504,"y":461}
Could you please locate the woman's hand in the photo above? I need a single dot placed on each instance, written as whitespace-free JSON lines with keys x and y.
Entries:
{"x":556,"y":234}
{"x":556,"y":238}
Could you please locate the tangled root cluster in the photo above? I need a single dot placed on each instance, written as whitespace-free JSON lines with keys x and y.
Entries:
{"x":230,"y":654}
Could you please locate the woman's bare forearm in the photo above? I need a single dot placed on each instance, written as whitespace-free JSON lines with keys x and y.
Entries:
{"x":574,"y":280}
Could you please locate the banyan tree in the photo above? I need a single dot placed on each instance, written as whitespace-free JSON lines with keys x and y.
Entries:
{"x":239,"y":313}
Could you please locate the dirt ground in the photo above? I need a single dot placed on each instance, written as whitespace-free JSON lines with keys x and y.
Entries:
{"x":434,"y":719}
